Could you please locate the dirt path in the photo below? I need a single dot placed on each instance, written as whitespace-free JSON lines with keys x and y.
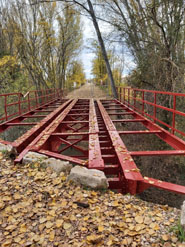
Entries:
{"x":87,"y":91}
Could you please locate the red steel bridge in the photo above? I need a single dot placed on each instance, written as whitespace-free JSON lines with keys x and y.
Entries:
{"x":85,"y":132}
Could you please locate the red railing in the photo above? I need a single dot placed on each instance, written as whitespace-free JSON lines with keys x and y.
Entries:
{"x":157,"y":106}
{"x":15,"y":104}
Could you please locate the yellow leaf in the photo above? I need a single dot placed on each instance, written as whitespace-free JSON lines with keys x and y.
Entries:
{"x":54,"y":4}
{"x":109,"y":243}
{"x":156,"y":227}
{"x":15,"y":209}
{"x":63,"y":178}
{"x":66,"y":225}
{"x":52,"y":213}
{"x":17,"y":196}
{"x":49,"y":224}
{"x":115,"y":203}
{"x":41,"y":239}
{"x":42,"y":220}
{"x":153,"y":225}
{"x":7,"y":243}
{"x":147,"y":220}
{"x":86,"y":218}
{"x":83,"y":229}
{"x":2,"y":205}
{"x":165,"y":237}
{"x":56,"y":181}
{"x":63,"y":203}
{"x":17,"y":239}
{"x":139,"y":219}
{"x":72,"y":218}
{"x":10,"y":227}
{"x":139,"y":227}
{"x":122,"y":224}
{"x":132,"y":233}
{"x":36,"y":238}
{"x":23,"y":228}
{"x":74,"y":206}
{"x":100,"y":228}
{"x":94,"y":239}
{"x":6,"y":198}
{"x":59,"y":223}
{"x":131,"y":227}
{"x":52,"y":236}
{"x":151,"y":231}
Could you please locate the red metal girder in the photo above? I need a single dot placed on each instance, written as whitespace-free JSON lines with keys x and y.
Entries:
{"x":85,"y":126}
{"x":74,"y":122}
{"x":127,"y":120}
{"x":35,"y":116}
{"x":33,"y":145}
{"x":77,"y":114}
{"x":107,"y":121}
{"x":23,"y":141}
{"x":115,"y":183}
{"x":157,"y":152}
{"x":114,"y":109}
{"x":148,"y":182}
{"x":21,"y":124}
{"x":63,"y":157}
{"x":127,"y":164}
{"x":111,"y":169}
{"x":136,"y":132}
{"x":95,"y":158}
{"x":69,"y":144}
{"x":42,"y":110}
{"x":53,"y":126}
{"x":80,"y":110}
{"x":121,"y":113}
{"x":70,"y":134}
{"x":50,"y":107}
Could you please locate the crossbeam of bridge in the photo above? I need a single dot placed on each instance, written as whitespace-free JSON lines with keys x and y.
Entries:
{"x":84,"y":132}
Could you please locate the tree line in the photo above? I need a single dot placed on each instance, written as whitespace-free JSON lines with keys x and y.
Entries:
{"x":46,"y":37}
{"x":40,"y":45}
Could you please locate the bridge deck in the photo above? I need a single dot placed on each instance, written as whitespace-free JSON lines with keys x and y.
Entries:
{"x":84,"y":132}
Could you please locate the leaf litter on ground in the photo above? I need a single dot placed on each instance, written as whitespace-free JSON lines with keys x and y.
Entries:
{"x":40,"y":208}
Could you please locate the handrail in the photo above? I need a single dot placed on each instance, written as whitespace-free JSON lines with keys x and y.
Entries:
{"x":149,"y":103}
{"x":15,"y":104}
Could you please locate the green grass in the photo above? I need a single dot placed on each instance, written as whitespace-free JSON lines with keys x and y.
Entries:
{"x":179,"y":231}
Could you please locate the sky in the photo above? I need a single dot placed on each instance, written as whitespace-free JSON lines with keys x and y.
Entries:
{"x":87,"y":55}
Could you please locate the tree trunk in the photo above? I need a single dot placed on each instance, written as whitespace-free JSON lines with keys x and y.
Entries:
{"x":104,"y":53}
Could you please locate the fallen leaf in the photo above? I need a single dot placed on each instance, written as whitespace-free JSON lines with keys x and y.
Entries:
{"x":42,"y":220}
{"x":66,"y":225}
{"x":49,"y":224}
{"x":139,"y":219}
{"x":94,"y":239}
{"x":59,"y":223}
{"x":100,"y":228}
{"x":165,"y":237}
{"x":52,"y":236}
